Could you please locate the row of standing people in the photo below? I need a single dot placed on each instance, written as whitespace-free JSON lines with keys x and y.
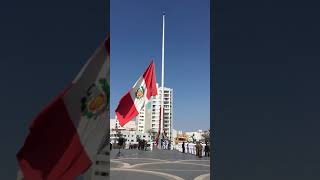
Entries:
{"x":198,"y":149}
{"x":142,"y":145}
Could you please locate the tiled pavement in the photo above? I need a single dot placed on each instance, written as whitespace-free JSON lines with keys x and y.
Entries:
{"x":158,"y":165}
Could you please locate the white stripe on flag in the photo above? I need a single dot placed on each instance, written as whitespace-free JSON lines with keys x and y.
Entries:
{"x":139,"y":103}
{"x":90,"y":130}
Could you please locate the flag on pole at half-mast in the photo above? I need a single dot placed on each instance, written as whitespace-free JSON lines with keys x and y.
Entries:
{"x":133,"y":101}
{"x":65,"y":136}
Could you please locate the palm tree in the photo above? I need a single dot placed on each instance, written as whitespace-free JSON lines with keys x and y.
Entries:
{"x":206,"y":136}
{"x":193,"y":139}
{"x":152,"y":133}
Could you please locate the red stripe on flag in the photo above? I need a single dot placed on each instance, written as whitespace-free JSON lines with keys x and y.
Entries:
{"x":53,"y":149}
{"x":150,"y":80}
{"x":126,"y":109}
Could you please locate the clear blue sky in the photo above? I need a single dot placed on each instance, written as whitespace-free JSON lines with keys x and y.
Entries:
{"x":136,"y":35}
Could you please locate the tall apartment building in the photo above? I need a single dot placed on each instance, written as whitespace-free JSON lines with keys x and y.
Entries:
{"x":149,"y":116}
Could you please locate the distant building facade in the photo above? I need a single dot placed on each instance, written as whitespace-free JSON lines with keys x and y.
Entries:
{"x":128,"y":131}
{"x":131,"y":125}
{"x":196,"y":135}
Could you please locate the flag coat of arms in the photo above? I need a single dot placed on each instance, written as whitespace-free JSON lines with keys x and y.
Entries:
{"x":65,"y":137}
{"x":133,"y":101}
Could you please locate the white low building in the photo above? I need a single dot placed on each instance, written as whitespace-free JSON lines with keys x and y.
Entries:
{"x":131,"y":125}
{"x":195,"y":135}
{"x":129,"y":131}
{"x":174,"y":135}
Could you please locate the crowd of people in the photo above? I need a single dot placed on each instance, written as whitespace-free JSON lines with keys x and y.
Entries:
{"x":199,"y":149}
{"x":121,"y":144}
{"x":142,"y":145}
{"x":186,"y":147}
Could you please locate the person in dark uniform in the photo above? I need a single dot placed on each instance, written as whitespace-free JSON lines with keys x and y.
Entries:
{"x":142,"y":145}
{"x":206,"y":150}
{"x":188,"y":147}
{"x":139,"y":144}
{"x":145,"y":145}
{"x":183,"y":147}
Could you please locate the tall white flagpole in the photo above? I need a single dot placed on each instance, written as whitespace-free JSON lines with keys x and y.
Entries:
{"x":162,"y":76}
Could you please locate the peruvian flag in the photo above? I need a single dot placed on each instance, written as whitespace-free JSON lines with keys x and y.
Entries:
{"x":132,"y":102}
{"x":65,"y":136}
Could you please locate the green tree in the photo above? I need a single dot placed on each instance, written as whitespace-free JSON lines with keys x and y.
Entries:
{"x":193,"y":138}
{"x":152,"y":133}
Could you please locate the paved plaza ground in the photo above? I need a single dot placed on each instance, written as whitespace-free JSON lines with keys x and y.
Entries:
{"x":158,"y":165}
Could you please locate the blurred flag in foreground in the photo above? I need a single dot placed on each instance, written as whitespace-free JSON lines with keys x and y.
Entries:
{"x":65,"y":136}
